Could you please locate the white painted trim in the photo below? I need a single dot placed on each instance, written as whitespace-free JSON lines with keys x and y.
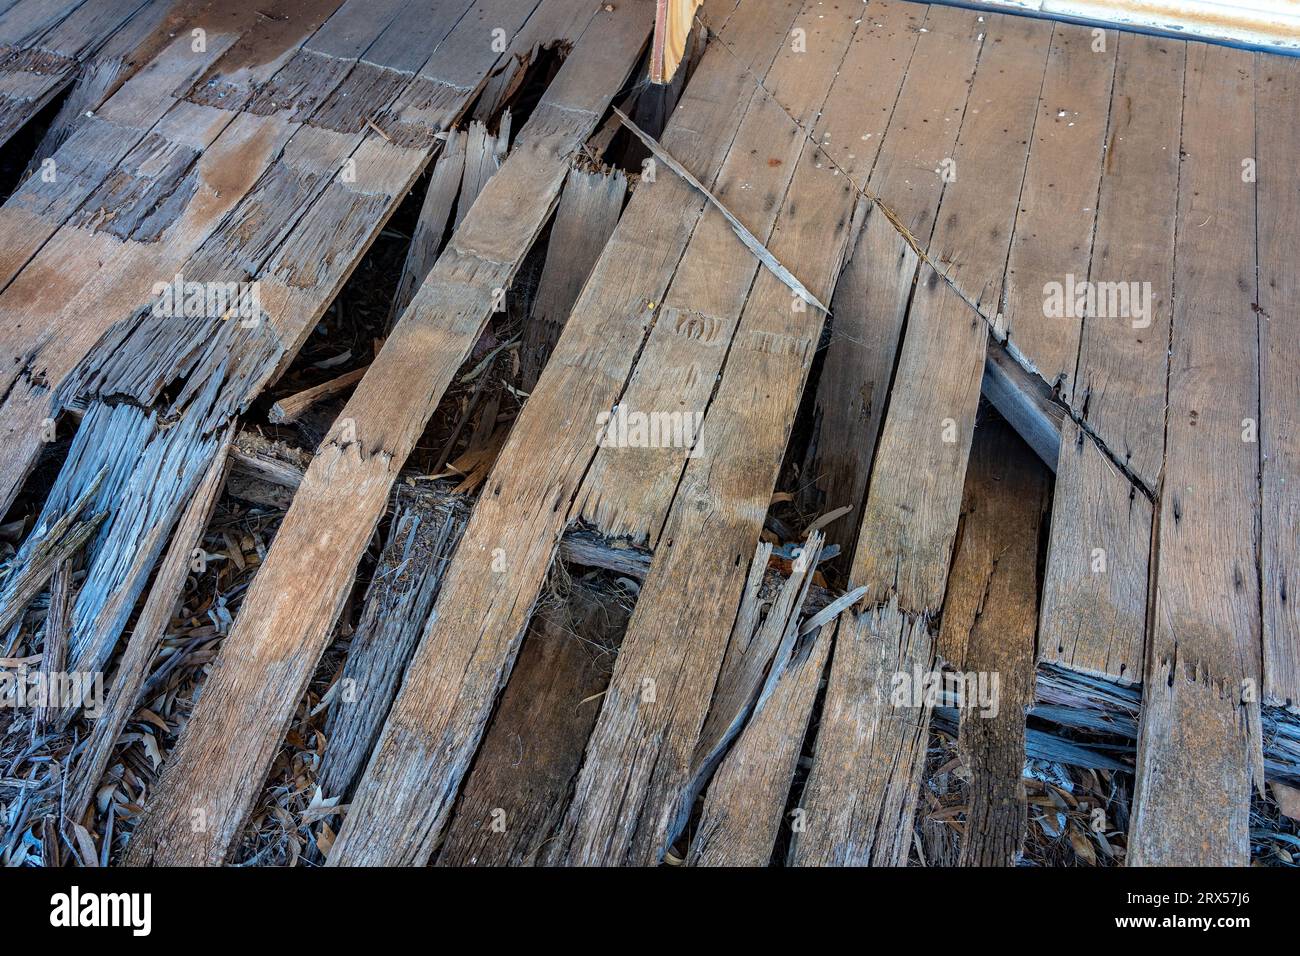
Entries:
{"x":1270,"y":24}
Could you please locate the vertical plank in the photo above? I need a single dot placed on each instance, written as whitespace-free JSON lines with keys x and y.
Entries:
{"x":1058,"y":205}
{"x":1278,"y":131}
{"x":1198,"y":740}
{"x":872,"y":296}
{"x":1095,"y":594}
{"x":589,"y":209}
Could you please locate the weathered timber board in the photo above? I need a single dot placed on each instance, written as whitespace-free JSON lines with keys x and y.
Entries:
{"x":1095,"y":594}
{"x":1277,"y":83}
{"x":1198,"y":743}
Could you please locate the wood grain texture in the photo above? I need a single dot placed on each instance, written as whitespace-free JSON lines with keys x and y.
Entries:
{"x":1058,"y":204}
{"x":451,"y":684}
{"x":291,"y":614}
{"x":628,"y":491}
{"x":1198,"y":741}
{"x":425,"y":530}
{"x":1094,"y":609}
{"x":1120,"y":382}
{"x":589,"y":209}
{"x":146,"y":637}
{"x":1278,"y":203}
{"x":435,"y":213}
{"x":743,"y":808}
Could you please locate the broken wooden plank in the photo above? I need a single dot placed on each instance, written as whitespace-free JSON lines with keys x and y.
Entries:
{"x":872,"y":296}
{"x":859,"y":798}
{"x":450,"y":685}
{"x":989,"y":618}
{"x":291,"y":407}
{"x":346,"y":487}
{"x":634,"y":786}
{"x":1094,"y":608}
{"x":1094,"y":605}
{"x":1198,"y":741}
{"x":150,"y":627}
{"x":589,"y":209}
{"x":1278,"y":136}
{"x":484,"y":153}
{"x":766,"y":688}
{"x":44,"y":44}
{"x":425,"y":530}
{"x":435,"y":213}
{"x":516,"y":793}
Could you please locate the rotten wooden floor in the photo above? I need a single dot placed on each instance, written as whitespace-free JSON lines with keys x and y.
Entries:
{"x":747,"y":682}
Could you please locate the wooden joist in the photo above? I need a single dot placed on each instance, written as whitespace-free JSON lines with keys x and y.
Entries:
{"x":288,"y":615}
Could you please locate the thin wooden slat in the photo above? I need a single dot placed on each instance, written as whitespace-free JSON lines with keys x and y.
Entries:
{"x":435,"y":213}
{"x":425,"y":530}
{"x":1198,"y":741}
{"x":1058,"y":204}
{"x":859,"y":799}
{"x":589,"y":209}
{"x":779,"y":672}
{"x":483,"y":155}
{"x":450,"y":686}
{"x":347,"y":485}
{"x":1278,"y":85}
{"x":1095,"y":593}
